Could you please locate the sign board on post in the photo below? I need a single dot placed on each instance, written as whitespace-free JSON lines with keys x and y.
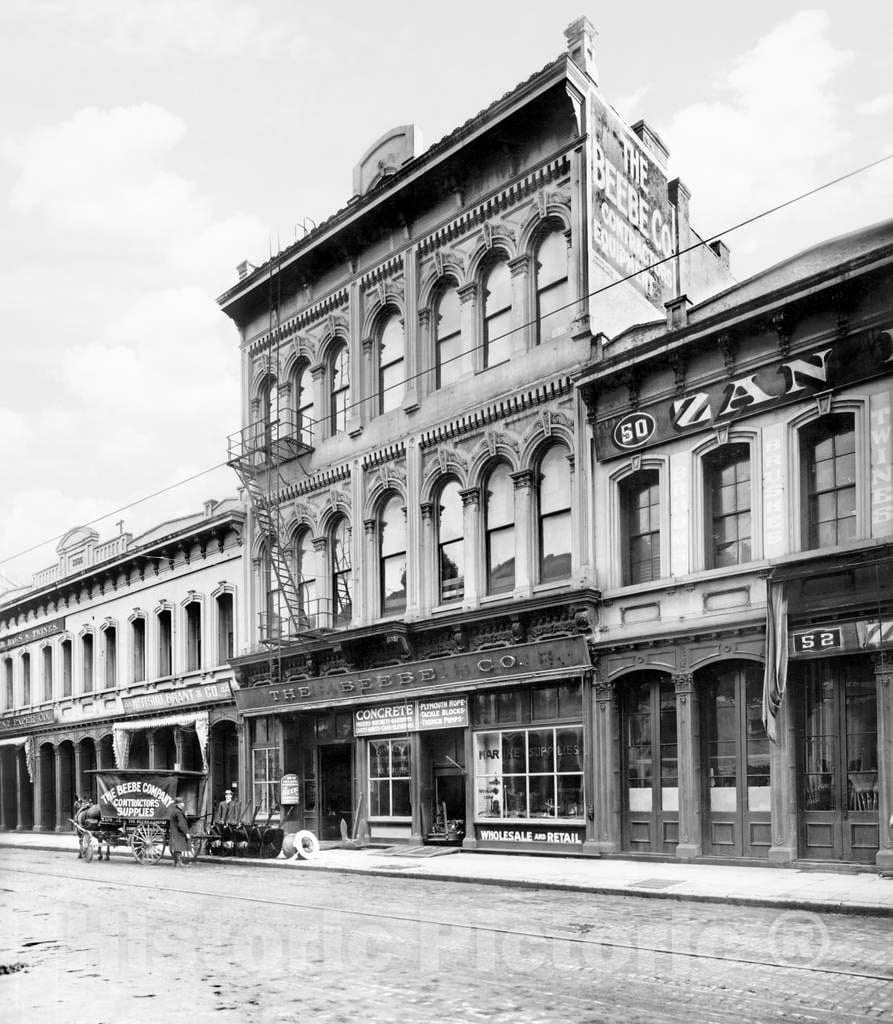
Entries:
{"x":289,"y":790}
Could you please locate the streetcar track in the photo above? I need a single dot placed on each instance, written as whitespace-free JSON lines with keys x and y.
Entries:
{"x":462,"y":926}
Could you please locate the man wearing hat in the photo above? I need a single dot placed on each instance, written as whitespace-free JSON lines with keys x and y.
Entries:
{"x":179,"y":833}
{"x":229,"y":811}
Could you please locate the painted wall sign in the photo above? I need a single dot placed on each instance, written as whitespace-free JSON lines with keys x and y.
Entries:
{"x":536,"y":834}
{"x":27,"y":720}
{"x":289,"y":790}
{"x":166,"y":699}
{"x":633,"y":219}
{"x":859,"y":635}
{"x":549,"y":658}
{"x":411,"y":716}
{"x":779,"y":382}
{"x":27,"y":636}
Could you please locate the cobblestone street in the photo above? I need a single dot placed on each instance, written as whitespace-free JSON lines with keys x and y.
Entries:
{"x":225,"y":942}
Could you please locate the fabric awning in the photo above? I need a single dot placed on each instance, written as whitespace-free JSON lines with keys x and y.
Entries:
{"x":28,"y":743}
{"x":122,"y":732}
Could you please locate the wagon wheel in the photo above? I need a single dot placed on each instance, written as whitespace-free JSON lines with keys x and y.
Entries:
{"x":147,"y":844}
{"x":87,"y":847}
{"x":271,"y":843}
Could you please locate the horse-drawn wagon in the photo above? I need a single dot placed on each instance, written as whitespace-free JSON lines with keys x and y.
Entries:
{"x":133,"y":810}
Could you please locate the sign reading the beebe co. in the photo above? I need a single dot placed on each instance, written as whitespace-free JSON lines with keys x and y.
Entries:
{"x":167,"y":699}
{"x":27,"y":636}
{"x":547,"y":658}
{"x":25,"y":721}
{"x":777,"y":383}
{"x":411,"y":716}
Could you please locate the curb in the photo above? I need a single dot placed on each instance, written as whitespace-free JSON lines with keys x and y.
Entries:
{"x":782,"y":903}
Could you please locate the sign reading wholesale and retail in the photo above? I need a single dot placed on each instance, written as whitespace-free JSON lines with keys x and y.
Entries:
{"x":780,"y":382}
{"x":411,"y":716}
{"x":27,"y":720}
{"x":540,"y":835}
{"x":547,"y":659}
{"x":167,"y":699}
{"x":27,"y":636}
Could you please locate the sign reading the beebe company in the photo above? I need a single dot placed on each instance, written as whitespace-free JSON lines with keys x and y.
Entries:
{"x":27,"y":636}
{"x":167,"y":699}
{"x":411,"y":716}
{"x":548,"y":658}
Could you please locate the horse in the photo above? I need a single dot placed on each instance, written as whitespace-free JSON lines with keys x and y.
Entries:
{"x":87,"y":816}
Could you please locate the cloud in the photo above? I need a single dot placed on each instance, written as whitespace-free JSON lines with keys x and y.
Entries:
{"x":878,"y":105}
{"x":106,"y":171}
{"x":774,"y":130}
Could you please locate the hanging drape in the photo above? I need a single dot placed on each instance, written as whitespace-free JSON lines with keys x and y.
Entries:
{"x":122,"y":732}
{"x":775,"y":677}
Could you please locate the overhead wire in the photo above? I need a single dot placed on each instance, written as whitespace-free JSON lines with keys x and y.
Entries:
{"x":514,"y":330}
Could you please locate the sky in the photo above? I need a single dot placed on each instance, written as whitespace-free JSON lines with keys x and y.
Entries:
{"x":147,"y":147}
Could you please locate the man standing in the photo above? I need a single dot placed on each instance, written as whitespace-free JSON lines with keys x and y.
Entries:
{"x":179,"y":833}
{"x":228,"y":810}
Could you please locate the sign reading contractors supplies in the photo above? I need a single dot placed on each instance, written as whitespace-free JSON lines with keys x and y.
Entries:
{"x":148,"y":798}
{"x":411,"y":716}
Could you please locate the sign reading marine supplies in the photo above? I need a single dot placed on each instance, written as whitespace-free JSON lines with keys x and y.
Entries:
{"x":411,"y":716}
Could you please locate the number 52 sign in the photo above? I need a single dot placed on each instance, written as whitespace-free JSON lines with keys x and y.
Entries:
{"x":817,"y":640}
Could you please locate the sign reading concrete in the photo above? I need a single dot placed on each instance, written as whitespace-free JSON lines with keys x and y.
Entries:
{"x":27,"y":720}
{"x":164,"y":700}
{"x":27,"y":636}
{"x":548,"y":659}
{"x":411,"y":716}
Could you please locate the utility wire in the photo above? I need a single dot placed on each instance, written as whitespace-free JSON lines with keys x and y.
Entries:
{"x":598,"y":291}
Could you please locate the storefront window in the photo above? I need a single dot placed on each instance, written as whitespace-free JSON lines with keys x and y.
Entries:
{"x":532,"y":704}
{"x":529,"y":773}
{"x":389,"y":773}
{"x":265,"y":766}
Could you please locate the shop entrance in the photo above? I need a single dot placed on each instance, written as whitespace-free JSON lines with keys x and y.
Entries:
{"x":651,"y":793}
{"x":335,"y":778}
{"x":838,"y":766}
{"x":735,"y":759}
{"x":443,"y":786}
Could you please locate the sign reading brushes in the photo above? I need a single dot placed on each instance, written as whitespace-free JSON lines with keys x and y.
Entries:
{"x":411,"y":716}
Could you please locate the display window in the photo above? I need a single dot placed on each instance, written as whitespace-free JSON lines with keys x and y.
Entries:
{"x":390,"y":766}
{"x":265,"y":766}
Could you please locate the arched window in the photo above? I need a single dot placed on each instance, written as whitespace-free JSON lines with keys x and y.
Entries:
{"x":390,"y":364}
{"x":497,"y":313}
{"x":728,"y":505}
{"x":452,"y":361}
{"x":640,"y":524}
{"x":339,"y":394}
{"x":828,"y":480}
{"x":392,"y":556}
{"x":450,"y":544}
{"x":267,"y":413}
{"x":554,"y":508}
{"x":303,"y":403}
{"x":553,"y":315}
{"x":342,"y":602}
{"x":500,"y":530}
{"x":305,"y":577}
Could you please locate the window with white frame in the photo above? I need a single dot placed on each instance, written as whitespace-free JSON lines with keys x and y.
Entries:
{"x":554,"y":514}
{"x":450,"y":543}
{"x":87,"y":663}
{"x":225,"y":628}
{"x":66,"y":668}
{"x":165,"y":628}
{"x":496,"y":308}
{"x":193,"y":636}
{"x":26,"y":679}
{"x":138,"y":649}
{"x":303,"y":403}
{"x":389,"y":778}
{"x":828,"y":480}
{"x":265,"y":769}
{"x":640,"y":513}
{"x":391,"y":353}
{"x":8,"y":687}
{"x":453,"y":362}
{"x":305,"y":576}
{"x":499,"y":517}
{"x":110,"y":656}
{"x":728,"y":497}
{"x":341,"y":569}
{"x":46,"y":654}
{"x":553,"y":313}
{"x":339,"y":387}
{"x":392,"y":555}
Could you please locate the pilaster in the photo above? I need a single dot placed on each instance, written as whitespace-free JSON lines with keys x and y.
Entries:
{"x":412,"y":349}
{"x":471,"y":525}
{"x":884,"y":676}
{"x":369,"y":575}
{"x":783,"y":788}
{"x":523,"y":332}
{"x":605,"y":731}
{"x":415,"y":597}
{"x":4,"y":781}
{"x":468,"y":317}
{"x":20,"y":796}
{"x":430,"y":576}
{"x":61,"y":812}
{"x":525,"y":543}
{"x":688,"y":767}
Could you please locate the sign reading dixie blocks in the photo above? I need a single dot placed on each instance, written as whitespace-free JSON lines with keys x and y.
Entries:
{"x":453,"y":673}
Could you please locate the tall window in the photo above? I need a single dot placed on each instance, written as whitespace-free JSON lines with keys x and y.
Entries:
{"x":392,"y":556}
{"x":138,"y":647}
{"x":26,"y":679}
{"x":110,"y":653}
{"x":554,"y":506}
{"x":500,"y":530}
{"x":193,"y":636}
{"x":342,"y":602}
{"x":87,"y":659}
{"x":225,"y":639}
{"x":452,"y":361}
{"x":727,"y":490}
{"x":8,"y":692}
{"x":390,"y":364}
{"x":340,"y":390}
{"x":389,"y":775}
{"x":47,"y":672}
{"x":66,"y":668}
{"x":828,"y":466}
{"x":165,"y":642}
{"x":305,"y":576}
{"x":553,"y":313}
{"x":265,"y":766}
{"x":450,"y":543}
{"x":303,"y":399}
{"x":640,"y":512}
{"x":497,"y":313}
{"x":268,"y":413}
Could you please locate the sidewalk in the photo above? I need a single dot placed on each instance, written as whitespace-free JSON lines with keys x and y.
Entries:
{"x":782,"y":888}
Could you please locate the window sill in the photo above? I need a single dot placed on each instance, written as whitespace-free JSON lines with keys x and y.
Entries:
{"x":538,"y":822}
{"x":382,"y":820}
{"x":493,"y":366}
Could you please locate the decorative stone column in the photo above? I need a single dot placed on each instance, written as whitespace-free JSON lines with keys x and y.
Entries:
{"x":325,"y":599}
{"x":4,"y":781}
{"x":321,"y":410}
{"x":371,"y":400}
{"x":427,"y":382}
{"x":178,"y":747}
{"x":523,"y":331}
{"x":525,"y":543}
{"x":37,"y":791}
{"x":369,"y":576}
{"x":783,"y":787}
{"x":473,"y":543}
{"x":468,"y":322}
{"x":415,"y":786}
{"x":688,"y":766}
{"x":259,"y":598}
{"x":883,"y":672}
{"x":578,"y":263}
{"x":21,"y":771}
{"x":470,"y":841}
{"x":78,"y":767}
{"x":606,"y":791}
{"x":153,"y":750}
{"x":429,"y":594}
{"x":61,"y":813}
{"x":413,"y":354}
{"x":415,"y":587}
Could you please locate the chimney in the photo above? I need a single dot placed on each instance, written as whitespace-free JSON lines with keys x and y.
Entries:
{"x":210,"y":505}
{"x":721,"y":251}
{"x":581,"y":37}
{"x":244,"y":269}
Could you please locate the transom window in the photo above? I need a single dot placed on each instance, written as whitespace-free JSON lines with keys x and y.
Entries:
{"x":640,"y":511}
{"x":390,"y":364}
{"x":553,"y":315}
{"x":392,"y":556}
{"x":340,"y":390}
{"x":450,"y":543}
{"x":500,"y":530}
{"x":497,"y":309}
{"x":828,"y":462}
{"x":554,"y":503}
{"x":728,"y":494}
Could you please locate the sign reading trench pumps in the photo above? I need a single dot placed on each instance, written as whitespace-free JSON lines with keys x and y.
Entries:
{"x":411,"y":716}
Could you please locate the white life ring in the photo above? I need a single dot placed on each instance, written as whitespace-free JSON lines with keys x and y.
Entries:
{"x":306,"y":844}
